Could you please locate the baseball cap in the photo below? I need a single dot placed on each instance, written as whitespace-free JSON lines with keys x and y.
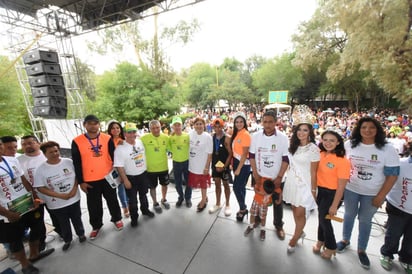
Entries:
{"x":218,"y":122}
{"x":177,"y":119}
{"x":90,"y":118}
{"x":130,"y":127}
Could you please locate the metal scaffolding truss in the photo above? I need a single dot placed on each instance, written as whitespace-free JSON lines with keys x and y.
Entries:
{"x":26,"y":41}
{"x":50,"y":24}
{"x":74,"y":17}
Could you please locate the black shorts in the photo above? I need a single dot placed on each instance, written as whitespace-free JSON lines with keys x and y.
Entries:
{"x":158,"y":177}
{"x":13,"y":233}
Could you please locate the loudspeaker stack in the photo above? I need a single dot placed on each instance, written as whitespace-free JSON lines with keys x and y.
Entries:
{"x":46,"y":83}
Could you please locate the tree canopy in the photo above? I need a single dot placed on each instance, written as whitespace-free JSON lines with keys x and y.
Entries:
{"x":355,"y":36}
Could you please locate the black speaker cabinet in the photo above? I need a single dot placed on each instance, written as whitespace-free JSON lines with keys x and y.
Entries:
{"x":46,"y":80}
{"x":50,"y":112}
{"x":40,"y":56}
{"x":48,"y":91}
{"x":58,"y":102}
{"x":43,"y":68}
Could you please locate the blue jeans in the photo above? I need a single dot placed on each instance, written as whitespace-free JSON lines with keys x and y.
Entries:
{"x":181,"y":172}
{"x":239,"y":184}
{"x":121,"y":192}
{"x":361,"y":206}
{"x":399,"y":224}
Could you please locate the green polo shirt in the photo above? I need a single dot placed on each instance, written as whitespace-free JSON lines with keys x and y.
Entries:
{"x":179,"y":147}
{"x":156,"y":152}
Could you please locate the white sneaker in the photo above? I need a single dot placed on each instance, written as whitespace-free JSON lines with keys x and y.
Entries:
{"x":228,"y":211}
{"x":214,"y":208}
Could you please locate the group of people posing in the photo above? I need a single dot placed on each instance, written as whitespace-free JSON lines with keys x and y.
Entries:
{"x":363,"y":173}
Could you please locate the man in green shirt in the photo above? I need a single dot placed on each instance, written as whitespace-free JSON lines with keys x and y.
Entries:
{"x":155,"y":144}
{"x":179,"y":143}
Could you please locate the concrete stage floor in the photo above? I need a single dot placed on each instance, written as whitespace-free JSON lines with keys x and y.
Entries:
{"x":180,"y":240}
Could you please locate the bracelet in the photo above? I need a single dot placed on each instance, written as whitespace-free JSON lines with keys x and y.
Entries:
{"x":313,"y":190}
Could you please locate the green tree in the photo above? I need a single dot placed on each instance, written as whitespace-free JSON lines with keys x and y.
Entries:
{"x":277,"y":74}
{"x":132,"y":94}
{"x":150,"y":53}
{"x":200,"y":81}
{"x":13,"y":112}
{"x":369,"y":36}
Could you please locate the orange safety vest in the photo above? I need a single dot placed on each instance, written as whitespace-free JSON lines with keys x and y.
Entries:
{"x":94,"y":166}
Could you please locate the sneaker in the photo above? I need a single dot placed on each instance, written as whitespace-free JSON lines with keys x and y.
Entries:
{"x":189,"y":204}
{"x":341,"y":246}
{"x":407,"y":267}
{"x":30,"y":269}
{"x":119,"y":225}
{"x":386,"y":262}
{"x":228,"y":211}
{"x":364,"y":260}
{"x":157,"y":208}
{"x":262,"y":235}
{"x":214,"y":208}
{"x":165,"y":204}
{"x":148,"y":213}
{"x":82,"y":239}
{"x":248,"y":230}
{"x":66,"y":246}
{"x":179,"y":202}
{"x":94,"y":234}
{"x":133,"y":222}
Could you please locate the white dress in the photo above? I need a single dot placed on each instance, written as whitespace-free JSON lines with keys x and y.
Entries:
{"x":298,"y":188}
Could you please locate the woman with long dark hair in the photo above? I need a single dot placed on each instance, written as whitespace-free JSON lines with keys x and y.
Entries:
{"x":300,"y":184}
{"x":115,"y":130}
{"x":374,"y":170}
{"x":241,"y":166}
{"x":332,"y":176}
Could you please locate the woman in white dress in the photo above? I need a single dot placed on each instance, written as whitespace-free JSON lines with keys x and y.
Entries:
{"x":300,"y":184}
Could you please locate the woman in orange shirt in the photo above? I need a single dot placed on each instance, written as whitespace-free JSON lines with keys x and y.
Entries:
{"x":241,"y":166}
{"x":332,"y":176}
{"x":115,"y":130}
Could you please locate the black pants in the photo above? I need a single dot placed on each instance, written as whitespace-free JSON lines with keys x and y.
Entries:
{"x":95,"y":204}
{"x":277,"y":211}
{"x":325,"y":229}
{"x":64,"y":216}
{"x":140,"y":183}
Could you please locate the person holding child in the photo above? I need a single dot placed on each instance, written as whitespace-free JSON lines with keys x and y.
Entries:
{"x":268,"y":158}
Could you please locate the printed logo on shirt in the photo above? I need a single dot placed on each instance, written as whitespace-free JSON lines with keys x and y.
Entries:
{"x":406,"y":185}
{"x":5,"y":188}
{"x":330,"y":165}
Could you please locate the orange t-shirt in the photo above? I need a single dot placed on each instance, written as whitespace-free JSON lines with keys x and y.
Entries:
{"x":331,"y":169}
{"x":241,"y":140}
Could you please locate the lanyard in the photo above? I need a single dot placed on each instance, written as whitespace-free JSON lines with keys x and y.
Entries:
{"x":10,"y":171}
{"x":217,"y":144}
{"x":94,"y":147}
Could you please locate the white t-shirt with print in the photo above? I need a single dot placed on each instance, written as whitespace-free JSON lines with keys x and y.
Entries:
{"x":367,"y":165}
{"x":60,"y":178}
{"x":29,"y":165}
{"x":10,"y":190}
{"x":200,"y":147}
{"x":400,"y":196}
{"x":269,"y":151}
{"x":131,"y":157}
